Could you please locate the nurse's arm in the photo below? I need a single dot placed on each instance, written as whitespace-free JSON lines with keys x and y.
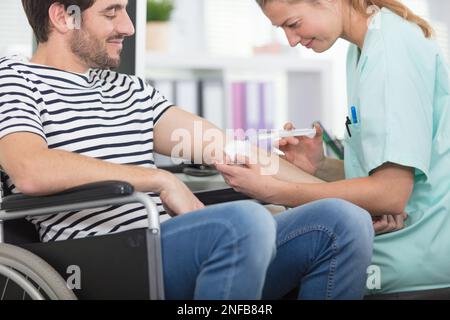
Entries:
{"x":385,"y":192}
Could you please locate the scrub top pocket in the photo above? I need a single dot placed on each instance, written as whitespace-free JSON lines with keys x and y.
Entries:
{"x":353,"y":152}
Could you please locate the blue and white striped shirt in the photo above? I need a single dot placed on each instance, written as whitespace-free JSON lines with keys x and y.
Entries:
{"x":100,"y":114}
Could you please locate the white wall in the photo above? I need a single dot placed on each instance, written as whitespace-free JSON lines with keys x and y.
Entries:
{"x":187,"y":27}
{"x":15,"y":32}
{"x":220,"y":27}
{"x":439,"y":11}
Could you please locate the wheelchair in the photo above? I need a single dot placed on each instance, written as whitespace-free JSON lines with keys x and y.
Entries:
{"x":124,"y":265}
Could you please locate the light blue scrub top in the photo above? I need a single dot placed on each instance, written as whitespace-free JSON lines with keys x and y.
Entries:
{"x":399,"y":85}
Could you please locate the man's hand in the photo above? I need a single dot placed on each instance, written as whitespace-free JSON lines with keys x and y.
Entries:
{"x":305,"y":153}
{"x":176,"y":196}
{"x":386,"y":224}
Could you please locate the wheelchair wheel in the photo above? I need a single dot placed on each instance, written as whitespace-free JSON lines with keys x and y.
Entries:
{"x":23,"y":275}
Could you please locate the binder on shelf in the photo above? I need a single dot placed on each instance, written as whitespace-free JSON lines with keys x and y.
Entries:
{"x":212,"y":106}
{"x":253,"y":103}
{"x":238,"y":99}
{"x":267,"y":105}
{"x":186,"y":95}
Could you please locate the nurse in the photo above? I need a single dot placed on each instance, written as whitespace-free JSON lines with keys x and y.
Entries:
{"x":397,"y":144}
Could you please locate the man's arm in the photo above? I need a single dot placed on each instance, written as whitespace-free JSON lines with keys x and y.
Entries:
{"x":330,"y":170}
{"x":191,"y":137}
{"x":37,"y":170}
{"x":290,"y":173}
{"x":203,"y":136}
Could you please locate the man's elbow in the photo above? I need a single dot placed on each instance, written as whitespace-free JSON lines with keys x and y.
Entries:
{"x":28,"y":186}
{"x":27,"y":179}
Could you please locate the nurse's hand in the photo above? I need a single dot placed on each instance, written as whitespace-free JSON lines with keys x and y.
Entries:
{"x":387,"y":224}
{"x":303,"y":152}
{"x":249,"y":178}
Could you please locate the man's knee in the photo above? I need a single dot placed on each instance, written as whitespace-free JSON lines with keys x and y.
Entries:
{"x":249,"y":215}
{"x":342,"y":210}
{"x":351,"y":224}
{"x":345,"y":218}
{"x":253,"y":222}
{"x":353,"y":221}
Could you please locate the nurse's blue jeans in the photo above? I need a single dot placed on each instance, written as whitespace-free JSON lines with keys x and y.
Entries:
{"x":239,"y":250}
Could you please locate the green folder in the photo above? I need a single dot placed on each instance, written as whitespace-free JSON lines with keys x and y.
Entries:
{"x":334,"y":144}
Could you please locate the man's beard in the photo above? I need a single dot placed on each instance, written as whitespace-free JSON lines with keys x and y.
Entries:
{"x":91,"y":51}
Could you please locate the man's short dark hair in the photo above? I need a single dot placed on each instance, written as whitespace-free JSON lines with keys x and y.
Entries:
{"x":37,"y":14}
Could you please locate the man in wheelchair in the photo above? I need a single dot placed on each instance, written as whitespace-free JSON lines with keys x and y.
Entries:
{"x":67,"y":119}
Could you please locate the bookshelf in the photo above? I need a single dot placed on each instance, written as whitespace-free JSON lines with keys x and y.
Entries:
{"x":301,"y":87}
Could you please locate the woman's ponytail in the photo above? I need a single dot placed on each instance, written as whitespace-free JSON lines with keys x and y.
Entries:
{"x":396,"y":7}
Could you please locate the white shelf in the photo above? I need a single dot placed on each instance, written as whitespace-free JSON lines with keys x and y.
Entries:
{"x":258,"y":63}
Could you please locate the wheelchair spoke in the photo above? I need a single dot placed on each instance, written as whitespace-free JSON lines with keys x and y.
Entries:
{"x":4,"y":289}
{"x":24,"y":292}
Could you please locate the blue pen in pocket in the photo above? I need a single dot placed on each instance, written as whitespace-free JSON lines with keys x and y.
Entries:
{"x":354,"y":115}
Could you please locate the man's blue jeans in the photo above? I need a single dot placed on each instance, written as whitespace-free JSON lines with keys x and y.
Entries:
{"x":239,"y":251}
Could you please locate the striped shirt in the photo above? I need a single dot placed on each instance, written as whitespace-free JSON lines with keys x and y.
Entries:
{"x":101,"y":114}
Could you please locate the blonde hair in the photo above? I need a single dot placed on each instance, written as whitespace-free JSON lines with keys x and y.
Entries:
{"x":363,"y":5}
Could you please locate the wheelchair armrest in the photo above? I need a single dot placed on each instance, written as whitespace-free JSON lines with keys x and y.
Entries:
{"x":220,"y":196}
{"x":89,"y":192}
